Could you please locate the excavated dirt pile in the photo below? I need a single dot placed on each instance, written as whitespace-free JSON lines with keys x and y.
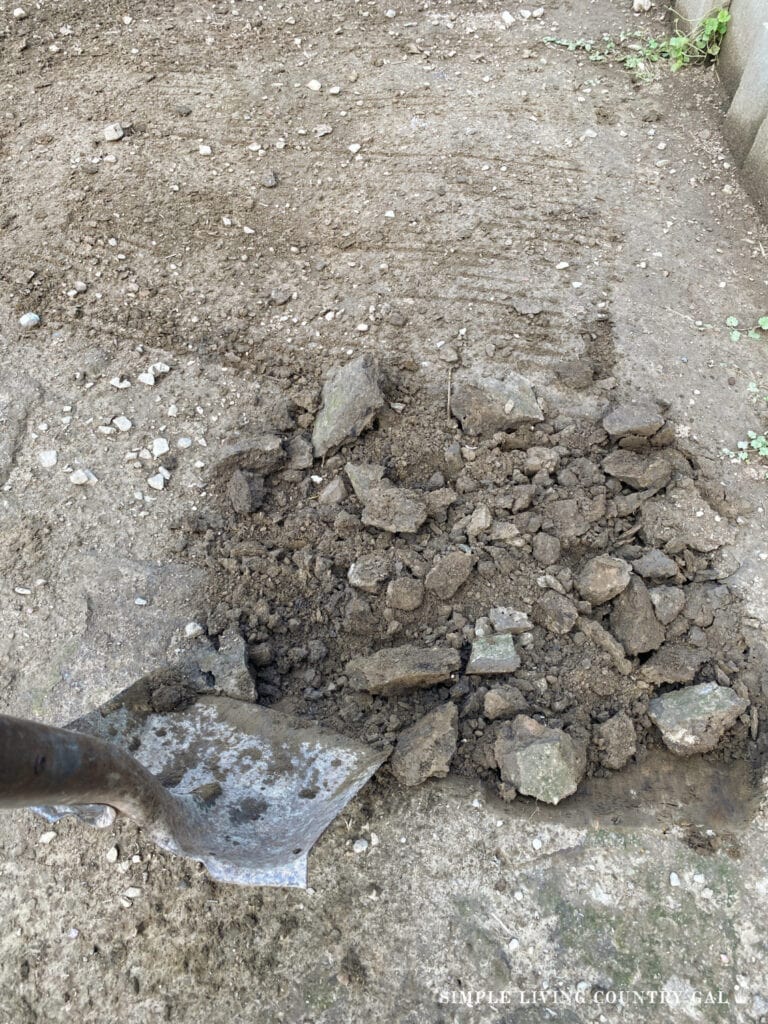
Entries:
{"x":520,"y":595}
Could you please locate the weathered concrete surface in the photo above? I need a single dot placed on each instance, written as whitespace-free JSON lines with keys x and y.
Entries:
{"x":749,"y":106}
{"x":756,"y":167}
{"x":747,"y":17}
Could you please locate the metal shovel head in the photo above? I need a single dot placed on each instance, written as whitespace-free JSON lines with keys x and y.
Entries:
{"x":259,"y":787}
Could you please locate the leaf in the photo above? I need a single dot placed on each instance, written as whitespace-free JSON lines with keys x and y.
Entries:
{"x":735,"y":335}
{"x":762,"y":323}
{"x":753,"y":335}
{"x":732,"y":321}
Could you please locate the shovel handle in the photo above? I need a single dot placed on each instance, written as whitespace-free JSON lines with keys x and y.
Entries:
{"x":40,"y":764}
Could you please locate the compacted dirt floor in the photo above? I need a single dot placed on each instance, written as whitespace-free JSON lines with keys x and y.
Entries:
{"x":210,"y":207}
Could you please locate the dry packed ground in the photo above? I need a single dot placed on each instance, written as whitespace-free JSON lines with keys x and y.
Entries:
{"x":282,"y":256}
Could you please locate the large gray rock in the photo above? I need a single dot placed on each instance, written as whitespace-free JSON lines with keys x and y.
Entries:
{"x":674,"y":663}
{"x":509,"y":620}
{"x":603,"y":578}
{"x":405,"y":594}
{"x":485,"y":404}
{"x":615,"y":741}
{"x":363,"y":476}
{"x":492,"y":655}
{"x":394,"y":509}
{"x":369,"y":571}
{"x":449,"y":573}
{"x":655,"y":565}
{"x":638,"y":418}
{"x":555,"y":612}
{"x":633,"y":620}
{"x":638,"y":471}
{"x":262,"y":454}
{"x":229,"y":667}
{"x":683,"y":519}
{"x":693,"y":720}
{"x":246,"y":491}
{"x":539,"y":762}
{"x":503,"y":702}
{"x":351,"y":399}
{"x":399,"y":669}
{"x":425,"y":750}
{"x":667,"y":602}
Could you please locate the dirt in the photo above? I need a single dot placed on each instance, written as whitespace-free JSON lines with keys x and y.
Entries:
{"x":505,"y":205}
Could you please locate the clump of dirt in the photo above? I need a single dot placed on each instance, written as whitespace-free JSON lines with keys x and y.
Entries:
{"x":586,"y":536}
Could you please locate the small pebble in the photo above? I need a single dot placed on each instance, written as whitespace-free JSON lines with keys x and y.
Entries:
{"x":184,"y":442}
{"x":120,"y":384}
{"x":112,"y":855}
{"x":29,"y":320}
{"x":204,"y":150}
{"x":47,"y":837}
{"x":48,"y":459}
{"x":140,"y":601}
{"x":674,"y":879}
{"x":82,"y":476}
{"x":122,"y":423}
{"x":313,"y":85}
{"x":132,"y":892}
{"x":113,"y":132}
{"x":147,"y":378}
{"x":19,"y":13}
{"x":192,"y":630}
{"x":156,"y":482}
{"x":160,"y":447}
{"x":360,"y":846}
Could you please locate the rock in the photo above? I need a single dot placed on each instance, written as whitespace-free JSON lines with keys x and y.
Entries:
{"x":616,"y":741}
{"x":655,"y":565}
{"x":369,"y":572}
{"x":492,"y":655}
{"x":405,"y":594}
{"x":640,"y":418}
{"x":546,"y":549}
{"x":503,"y":702}
{"x":509,"y":620}
{"x":364,"y":477}
{"x":425,"y":750}
{"x":351,"y":399}
{"x":269,"y":179}
{"x":674,"y":663}
{"x":667,"y":602}
{"x":449,"y":573}
{"x":262,"y":455}
{"x":438,"y":503}
{"x":603,"y":578}
{"x":333,"y":493}
{"x":633,"y":620}
{"x":113,"y":132}
{"x":683,"y":519}
{"x":693,"y":720}
{"x":48,"y":458}
{"x":246,"y":492}
{"x":486,"y":404}
{"x":81,"y":477}
{"x":539,"y":762}
{"x":29,"y":320}
{"x":540,"y":460}
{"x":396,"y":670}
{"x":642,"y":472}
{"x":300,"y":453}
{"x":394,"y":509}
{"x":556,"y":613}
{"x":479,"y":522}
{"x":229,"y":667}
{"x":603,"y":639}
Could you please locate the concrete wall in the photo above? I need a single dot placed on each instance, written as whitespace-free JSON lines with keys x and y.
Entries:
{"x":743,"y":70}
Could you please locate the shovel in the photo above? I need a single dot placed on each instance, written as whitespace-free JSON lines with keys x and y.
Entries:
{"x":243,"y":789}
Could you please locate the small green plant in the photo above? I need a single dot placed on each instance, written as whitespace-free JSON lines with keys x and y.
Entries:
{"x":754,"y":445}
{"x":702,"y":44}
{"x":639,"y":52}
{"x":757,"y":333}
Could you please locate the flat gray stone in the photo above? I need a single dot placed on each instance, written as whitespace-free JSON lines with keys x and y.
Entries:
{"x":394,"y":509}
{"x":556,"y":613}
{"x":229,"y":667}
{"x":667,"y":602}
{"x":485,"y":404}
{"x":642,"y":472}
{"x":369,"y":571}
{"x":492,"y":655}
{"x":262,"y":454}
{"x":424,"y":751}
{"x":603,"y":578}
{"x":510,"y":620}
{"x":655,"y":565}
{"x":693,"y":720}
{"x":639,"y":418}
{"x":400,"y":669}
{"x":405,"y":594}
{"x":351,"y":399}
{"x":674,"y":663}
{"x":449,"y":573}
{"x":683,"y":519}
{"x":539,"y":762}
{"x":503,"y":702}
{"x":363,"y":476}
{"x":633,"y":620}
{"x":245,"y":491}
{"x":615,"y":741}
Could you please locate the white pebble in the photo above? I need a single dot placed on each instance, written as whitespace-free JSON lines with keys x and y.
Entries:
{"x":160,"y":447}
{"x":19,"y":13}
{"x":147,"y":378}
{"x":354,"y":148}
{"x":360,"y":846}
{"x":159,"y":369}
{"x":47,"y":837}
{"x":112,"y":855}
{"x":173,"y":410}
{"x":120,"y":384}
{"x":140,"y":601}
{"x":674,"y":879}
{"x":536,"y":844}
{"x":48,"y":458}
{"x":507,"y":18}
{"x":313,"y":85}
{"x":113,"y":132}
{"x":563,"y":265}
{"x":29,"y":320}
{"x":205,"y":150}
{"x":122,"y":423}
{"x":82,"y":476}
{"x":192,"y":630}
{"x":156,"y":482}
{"x":184,"y":442}
{"x":132,"y":892}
